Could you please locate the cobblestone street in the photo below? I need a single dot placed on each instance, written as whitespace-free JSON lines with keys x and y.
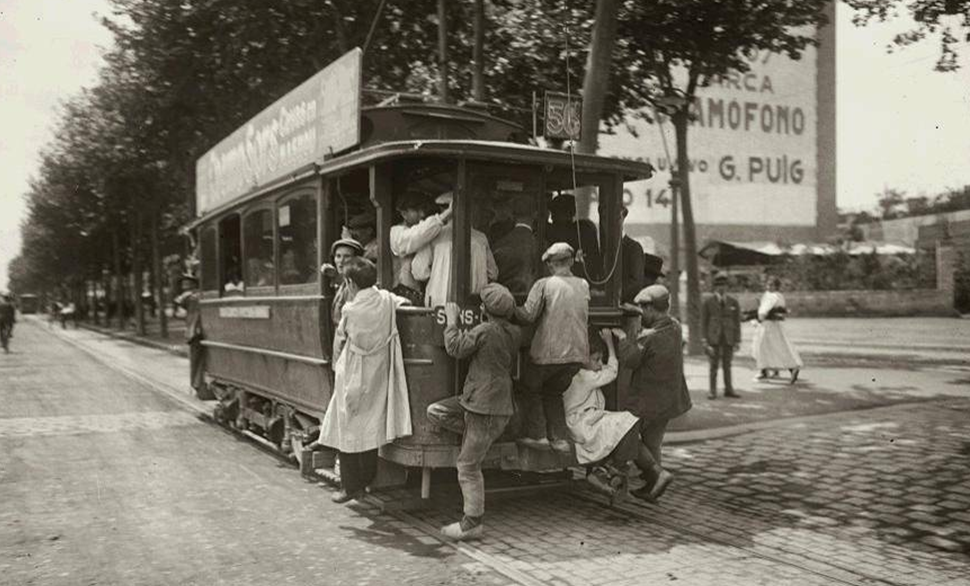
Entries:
{"x":106,"y":480}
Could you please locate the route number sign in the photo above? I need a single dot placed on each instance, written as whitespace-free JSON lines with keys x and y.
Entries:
{"x":563,"y":116}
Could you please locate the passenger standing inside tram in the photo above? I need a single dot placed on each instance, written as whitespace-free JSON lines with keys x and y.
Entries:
{"x":416,"y":230}
{"x":515,"y":252}
{"x":433,"y":262}
{"x":658,"y":390}
{"x":580,"y":234}
{"x":363,"y":229}
{"x":485,"y":406}
{"x":369,"y":406}
{"x":342,"y":251}
{"x":559,"y":306}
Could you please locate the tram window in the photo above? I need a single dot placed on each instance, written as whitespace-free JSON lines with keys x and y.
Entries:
{"x":297,"y":222}
{"x":258,"y":235}
{"x":210,"y":278}
{"x":230,"y":251}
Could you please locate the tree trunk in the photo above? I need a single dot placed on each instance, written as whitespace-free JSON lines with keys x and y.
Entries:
{"x":119,"y":298}
{"x":694,"y":346}
{"x":443,"y":52}
{"x":478,"y":76}
{"x":597,"y":80}
{"x":158,"y":279}
{"x":136,"y":268}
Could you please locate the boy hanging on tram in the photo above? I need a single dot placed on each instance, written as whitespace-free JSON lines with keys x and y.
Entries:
{"x":485,"y":406}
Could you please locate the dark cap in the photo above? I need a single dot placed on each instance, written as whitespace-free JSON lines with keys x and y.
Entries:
{"x":368,"y":218}
{"x":720,"y":279}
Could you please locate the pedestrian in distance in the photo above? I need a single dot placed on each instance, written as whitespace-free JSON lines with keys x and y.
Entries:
{"x":771,"y":348}
{"x":369,"y":406}
{"x":558,"y":305}
{"x":658,"y":389}
{"x":485,"y":406}
{"x":8,"y":317}
{"x":721,"y":330}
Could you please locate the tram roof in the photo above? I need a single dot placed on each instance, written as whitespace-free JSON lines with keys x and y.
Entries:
{"x":478,"y":150}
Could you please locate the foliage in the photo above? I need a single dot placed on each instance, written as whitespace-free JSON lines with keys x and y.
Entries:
{"x":947,"y":18}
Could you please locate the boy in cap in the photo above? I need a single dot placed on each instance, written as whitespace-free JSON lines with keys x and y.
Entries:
{"x":484,"y":408}
{"x":658,"y":389}
{"x":559,"y":306}
{"x":415,"y":231}
{"x":433,"y":262}
{"x":342,"y":251}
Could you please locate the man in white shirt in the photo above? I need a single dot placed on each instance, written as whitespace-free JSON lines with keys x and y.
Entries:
{"x":433,"y":262}
{"x":416,"y":231}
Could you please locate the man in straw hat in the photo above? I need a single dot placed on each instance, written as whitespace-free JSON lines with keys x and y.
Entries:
{"x":485,"y":406}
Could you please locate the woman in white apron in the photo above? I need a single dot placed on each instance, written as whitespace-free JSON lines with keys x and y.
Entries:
{"x":369,"y":406}
{"x":771,"y":348}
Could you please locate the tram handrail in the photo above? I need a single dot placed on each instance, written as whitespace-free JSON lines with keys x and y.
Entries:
{"x":274,"y":353}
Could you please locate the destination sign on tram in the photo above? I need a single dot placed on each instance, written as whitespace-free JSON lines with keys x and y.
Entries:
{"x":318,"y":118}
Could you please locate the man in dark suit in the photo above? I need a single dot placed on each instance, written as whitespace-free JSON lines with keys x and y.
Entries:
{"x":564,"y":228}
{"x":515,"y":252}
{"x":633,"y":276}
{"x":721,"y":326}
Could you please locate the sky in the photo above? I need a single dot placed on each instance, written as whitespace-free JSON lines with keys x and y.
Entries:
{"x":899,"y":123}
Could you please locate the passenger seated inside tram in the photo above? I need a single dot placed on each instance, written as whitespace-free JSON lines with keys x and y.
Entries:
{"x":515,"y":251}
{"x":363,"y":229}
{"x":564,"y":227}
{"x":415,"y":231}
{"x":432,"y":264}
{"x":234,"y":283}
{"x":605,"y":440}
{"x":260,"y":271}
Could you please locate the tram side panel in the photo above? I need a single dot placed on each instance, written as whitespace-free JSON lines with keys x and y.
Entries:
{"x":273,"y":348}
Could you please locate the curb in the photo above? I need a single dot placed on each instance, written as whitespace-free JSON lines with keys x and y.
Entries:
{"x":175,"y":349}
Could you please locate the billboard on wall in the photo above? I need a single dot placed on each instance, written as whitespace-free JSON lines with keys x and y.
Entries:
{"x":320,"y":117}
{"x":752,"y":148}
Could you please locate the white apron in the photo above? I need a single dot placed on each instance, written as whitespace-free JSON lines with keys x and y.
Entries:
{"x":595,"y":430}
{"x":369,"y":406}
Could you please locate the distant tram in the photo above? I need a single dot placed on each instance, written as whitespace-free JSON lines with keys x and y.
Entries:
{"x":28,"y":303}
{"x":267,"y":218}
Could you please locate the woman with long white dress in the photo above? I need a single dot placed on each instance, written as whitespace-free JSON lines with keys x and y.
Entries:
{"x":771,"y":348}
{"x":369,"y":406}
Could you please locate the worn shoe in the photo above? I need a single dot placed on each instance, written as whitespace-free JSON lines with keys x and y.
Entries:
{"x":536,"y":444}
{"x":732,"y":395}
{"x":561,"y":446}
{"x":794,"y":375}
{"x":663,"y":481}
{"x":340,"y":497}
{"x":643,"y":493}
{"x":454,"y":532}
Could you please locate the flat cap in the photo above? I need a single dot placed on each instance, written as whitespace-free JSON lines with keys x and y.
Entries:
{"x":651,"y":294}
{"x":720,"y":278}
{"x":349,"y":243}
{"x":368,"y":218}
{"x":558,"y":251}
{"x":497,"y":300}
{"x":445,"y":198}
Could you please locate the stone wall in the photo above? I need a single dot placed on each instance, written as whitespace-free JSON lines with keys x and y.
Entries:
{"x":914,"y":302}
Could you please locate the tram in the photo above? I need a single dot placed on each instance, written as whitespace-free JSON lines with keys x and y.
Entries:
{"x":29,"y":303}
{"x":267,"y":217}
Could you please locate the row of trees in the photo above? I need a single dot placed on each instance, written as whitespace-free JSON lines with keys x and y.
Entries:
{"x":118,"y":180}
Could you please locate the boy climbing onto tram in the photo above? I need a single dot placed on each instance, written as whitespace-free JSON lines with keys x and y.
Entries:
{"x":559,"y":306}
{"x":484,"y":408}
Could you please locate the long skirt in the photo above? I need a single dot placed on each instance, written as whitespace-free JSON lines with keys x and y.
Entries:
{"x":772,"y":349}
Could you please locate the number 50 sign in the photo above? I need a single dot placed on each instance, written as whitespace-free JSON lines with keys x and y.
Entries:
{"x":563,"y":115}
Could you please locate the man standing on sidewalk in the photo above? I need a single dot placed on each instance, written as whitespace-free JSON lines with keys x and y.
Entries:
{"x":721,"y":323}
